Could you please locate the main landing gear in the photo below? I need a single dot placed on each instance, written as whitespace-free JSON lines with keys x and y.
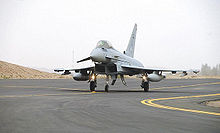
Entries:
{"x":92,"y":86}
{"x":93,"y":83}
{"x":145,"y":84}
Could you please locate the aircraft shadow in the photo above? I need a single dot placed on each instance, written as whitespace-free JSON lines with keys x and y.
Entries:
{"x":131,"y":91}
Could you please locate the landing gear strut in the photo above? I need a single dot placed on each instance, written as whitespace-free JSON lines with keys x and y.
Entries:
{"x":106,"y":87}
{"x":92,"y":86}
{"x":106,"y":84}
{"x":145,"y":83}
{"x":93,"y":83}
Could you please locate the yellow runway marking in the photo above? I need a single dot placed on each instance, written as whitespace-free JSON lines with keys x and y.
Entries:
{"x":72,"y":89}
{"x":38,"y":95}
{"x":44,"y":87}
{"x":183,"y":86}
{"x":29,"y":95}
{"x":29,"y":86}
{"x":149,"y":102}
{"x":169,"y":87}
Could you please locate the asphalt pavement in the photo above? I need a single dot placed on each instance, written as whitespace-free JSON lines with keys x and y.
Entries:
{"x":67,"y":106}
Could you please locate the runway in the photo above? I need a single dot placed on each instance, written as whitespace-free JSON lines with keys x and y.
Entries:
{"x":65,"y":105}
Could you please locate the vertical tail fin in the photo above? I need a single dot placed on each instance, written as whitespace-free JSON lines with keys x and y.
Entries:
{"x":131,"y":45}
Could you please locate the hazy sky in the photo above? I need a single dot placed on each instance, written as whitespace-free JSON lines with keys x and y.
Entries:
{"x":171,"y":34}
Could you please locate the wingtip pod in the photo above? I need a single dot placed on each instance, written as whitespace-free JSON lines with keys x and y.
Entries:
{"x":196,"y":71}
{"x":186,"y":72}
{"x":58,"y":70}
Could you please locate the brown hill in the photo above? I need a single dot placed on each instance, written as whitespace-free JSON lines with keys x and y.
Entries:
{"x":12,"y":71}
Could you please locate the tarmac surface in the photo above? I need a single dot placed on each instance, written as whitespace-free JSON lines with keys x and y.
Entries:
{"x":67,"y":106}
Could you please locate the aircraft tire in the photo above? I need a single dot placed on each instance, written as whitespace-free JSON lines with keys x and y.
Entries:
{"x":92,"y":86}
{"x":145,"y":85}
{"x":106,"y":88}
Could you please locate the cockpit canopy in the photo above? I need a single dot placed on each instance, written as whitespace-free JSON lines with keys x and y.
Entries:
{"x":104,"y":44}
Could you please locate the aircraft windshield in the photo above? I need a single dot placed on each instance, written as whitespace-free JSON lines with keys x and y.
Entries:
{"x":103,"y":44}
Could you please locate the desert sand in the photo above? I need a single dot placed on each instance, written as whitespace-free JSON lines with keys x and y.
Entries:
{"x":13,"y":71}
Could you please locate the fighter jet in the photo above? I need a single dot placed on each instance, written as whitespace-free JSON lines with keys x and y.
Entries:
{"x":112,"y":63}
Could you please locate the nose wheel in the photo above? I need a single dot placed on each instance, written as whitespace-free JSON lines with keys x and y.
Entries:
{"x":106,"y":87}
{"x":106,"y":84}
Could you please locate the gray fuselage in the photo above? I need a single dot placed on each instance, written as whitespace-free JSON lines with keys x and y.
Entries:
{"x":106,"y":55}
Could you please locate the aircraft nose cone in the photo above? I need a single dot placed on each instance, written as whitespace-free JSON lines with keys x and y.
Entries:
{"x":93,"y":55}
{"x":97,"y":56}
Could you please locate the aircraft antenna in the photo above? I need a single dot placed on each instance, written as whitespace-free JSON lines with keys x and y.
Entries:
{"x":73,"y":58}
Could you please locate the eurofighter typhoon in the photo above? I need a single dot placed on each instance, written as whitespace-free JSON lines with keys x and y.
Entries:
{"x":110,"y":62}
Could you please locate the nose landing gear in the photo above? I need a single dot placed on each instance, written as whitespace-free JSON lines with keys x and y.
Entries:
{"x":106,"y":84}
{"x":106,"y":87}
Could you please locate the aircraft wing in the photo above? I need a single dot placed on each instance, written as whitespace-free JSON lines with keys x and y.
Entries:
{"x":136,"y":69}
{"x":67,"y":71}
